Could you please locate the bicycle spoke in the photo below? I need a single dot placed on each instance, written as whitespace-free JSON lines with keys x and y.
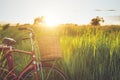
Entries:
{"x":45,"y":73}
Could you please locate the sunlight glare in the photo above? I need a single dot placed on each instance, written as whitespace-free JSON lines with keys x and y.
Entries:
{"x":51,"y":21}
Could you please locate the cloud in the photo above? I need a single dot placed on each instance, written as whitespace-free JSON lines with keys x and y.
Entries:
{"x":111,"y":10}
{"x":105,"y":10}
{"x":116,"y":18}
{"x":98,"y":10}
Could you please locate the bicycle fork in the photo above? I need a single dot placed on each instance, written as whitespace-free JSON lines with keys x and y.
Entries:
{"x":34,"y":57}
{"x":35,"y":67}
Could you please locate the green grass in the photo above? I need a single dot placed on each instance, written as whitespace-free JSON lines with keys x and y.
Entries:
{"x":89,"y":53}
{"x":93,"y":55}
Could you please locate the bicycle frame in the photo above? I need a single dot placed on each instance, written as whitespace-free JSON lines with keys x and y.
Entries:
{"x":9,"y":51}
{"x":32,"y":64}
{"x":10,"y":62}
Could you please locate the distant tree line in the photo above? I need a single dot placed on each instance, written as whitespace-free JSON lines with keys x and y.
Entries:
{"x":41,"y":20}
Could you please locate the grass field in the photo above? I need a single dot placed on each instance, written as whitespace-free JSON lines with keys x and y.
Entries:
{"x":89,"y":53}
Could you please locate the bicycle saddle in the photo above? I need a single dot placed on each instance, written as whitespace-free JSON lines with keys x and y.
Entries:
{"x":8,"y":41}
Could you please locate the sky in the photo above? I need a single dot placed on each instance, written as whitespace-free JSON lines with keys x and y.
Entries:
{"x":60,"y":11}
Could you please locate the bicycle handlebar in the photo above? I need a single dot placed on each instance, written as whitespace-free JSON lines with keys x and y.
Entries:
{"x":29,"y":29}
{"x":22,"y":28}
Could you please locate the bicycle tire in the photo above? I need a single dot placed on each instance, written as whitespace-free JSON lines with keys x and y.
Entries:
{"x":6,"y":75}
{"x":47,"y":72}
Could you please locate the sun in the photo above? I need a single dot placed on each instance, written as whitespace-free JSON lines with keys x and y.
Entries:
{"x":51,"y":21}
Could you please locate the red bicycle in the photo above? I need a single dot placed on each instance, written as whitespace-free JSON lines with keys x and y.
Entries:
{"x":42,"y":70}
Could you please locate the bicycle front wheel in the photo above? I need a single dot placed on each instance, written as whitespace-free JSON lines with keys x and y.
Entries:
{"x":46,"y":72}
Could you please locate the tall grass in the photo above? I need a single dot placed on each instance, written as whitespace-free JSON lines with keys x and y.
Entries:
{"x":89,"y":53}
{"x":94,"y":55}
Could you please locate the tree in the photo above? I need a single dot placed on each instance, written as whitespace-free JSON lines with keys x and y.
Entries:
{"x":96,"y":21}
{"x":39,"y":20}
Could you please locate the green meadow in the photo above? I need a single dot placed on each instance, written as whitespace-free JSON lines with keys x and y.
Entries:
{"x":89,"y":52}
